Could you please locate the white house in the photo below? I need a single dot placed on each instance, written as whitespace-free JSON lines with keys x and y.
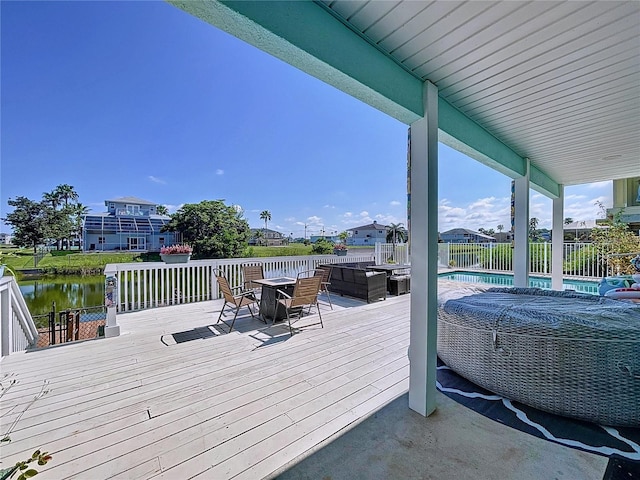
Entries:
{"x":6,"y":238}
{"x":367,"y":234}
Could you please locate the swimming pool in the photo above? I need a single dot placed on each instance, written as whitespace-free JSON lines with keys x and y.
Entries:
{"x":505,"y":280}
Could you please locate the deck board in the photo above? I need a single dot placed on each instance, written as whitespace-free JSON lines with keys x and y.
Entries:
{"x":241,"y":404}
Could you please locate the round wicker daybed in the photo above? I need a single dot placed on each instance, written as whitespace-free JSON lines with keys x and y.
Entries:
{"x":567,"y":353}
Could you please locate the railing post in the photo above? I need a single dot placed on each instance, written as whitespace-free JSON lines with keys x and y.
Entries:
{"x":5,"y":322}
{"x":111,"y":328}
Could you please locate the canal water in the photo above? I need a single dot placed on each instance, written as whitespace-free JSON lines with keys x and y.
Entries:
{"x":67,"y":291}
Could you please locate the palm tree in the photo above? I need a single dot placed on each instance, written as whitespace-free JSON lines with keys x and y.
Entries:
{"x":500,"y":228}
{"x":66,"y":193}
{"x":533,"y":229}
{"x":266,"y":216}
{"x":52,"y":199}
{"x":259,"y":237}
{"x":396,"y":232}
{"x":79,"y":212}
{"x":162,"y":210}
{"x":569,"y":221}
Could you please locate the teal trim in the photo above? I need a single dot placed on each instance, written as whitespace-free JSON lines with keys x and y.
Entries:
{"x":308,"y":36}
{"x":481,"y":145}
{"x":542,"y":183}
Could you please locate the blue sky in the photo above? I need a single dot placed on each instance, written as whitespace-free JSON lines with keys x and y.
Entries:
{"x":141,"y":99}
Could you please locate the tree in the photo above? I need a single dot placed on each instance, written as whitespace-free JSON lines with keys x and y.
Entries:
{"x":66,"y":193}
{"x":259,"y":236}
{"x":615,"y":244}
{"x":63,"y":224}
{"x":80,"y":211}
{"x":533,"y":229}
{"x":500,"y":228}
{"x":343,"y":236}
{"x":396,"y":232}
{"x":322,"y":247}
{"x":213,"y":229}
{"x":162,"y":210}
{"x":30,"y":221}
{"x":266,"y":216}
{"x":569,"y":221}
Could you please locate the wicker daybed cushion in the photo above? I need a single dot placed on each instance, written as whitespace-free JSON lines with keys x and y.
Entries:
{"x":563,"y":352}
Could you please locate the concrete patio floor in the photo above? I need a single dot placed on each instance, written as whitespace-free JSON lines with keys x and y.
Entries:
{"x":453,"y":443}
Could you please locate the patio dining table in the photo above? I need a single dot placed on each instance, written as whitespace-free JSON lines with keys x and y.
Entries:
{"x":269,"y":307}
{"x":391,"y":268}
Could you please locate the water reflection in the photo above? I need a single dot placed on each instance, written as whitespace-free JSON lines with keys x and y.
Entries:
{"x":66,"y":291}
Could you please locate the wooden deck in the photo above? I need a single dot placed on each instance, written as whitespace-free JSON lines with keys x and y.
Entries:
{"x":239,"y":405}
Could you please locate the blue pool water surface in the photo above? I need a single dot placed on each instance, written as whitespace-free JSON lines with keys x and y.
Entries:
{"x":504,"y":280}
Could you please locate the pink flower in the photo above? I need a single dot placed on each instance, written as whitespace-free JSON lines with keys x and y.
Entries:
{"x":176,"y":249}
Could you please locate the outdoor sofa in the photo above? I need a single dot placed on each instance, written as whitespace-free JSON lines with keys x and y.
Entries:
{"x":567,"y":353}
{"x":353,"y":280}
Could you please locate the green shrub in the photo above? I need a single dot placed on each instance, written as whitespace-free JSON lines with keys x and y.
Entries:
{"x":322,"y":247}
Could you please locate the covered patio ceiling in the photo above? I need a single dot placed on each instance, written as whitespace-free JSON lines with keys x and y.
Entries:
{"x":555,"y":82}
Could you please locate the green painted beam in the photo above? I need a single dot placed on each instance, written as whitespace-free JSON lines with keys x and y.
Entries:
{"x":306,"y":35}
{"x":542,"y":183}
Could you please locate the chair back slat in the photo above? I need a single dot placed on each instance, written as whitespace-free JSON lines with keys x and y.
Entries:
{"x":250,"y":272}
{"x":324,"y":273}
{"x":225,"y":288}
{"x":306,"y":291}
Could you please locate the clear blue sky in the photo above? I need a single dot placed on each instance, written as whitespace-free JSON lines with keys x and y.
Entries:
{"x":141,"y":99}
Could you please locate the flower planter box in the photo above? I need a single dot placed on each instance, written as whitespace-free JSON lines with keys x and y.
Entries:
{"x":176,"y":258}
{"x":340,"y":253}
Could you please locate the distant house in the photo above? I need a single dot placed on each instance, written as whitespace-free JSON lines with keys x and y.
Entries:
{"x":503,"y":237}
{"x":267,"y":237}
{"x":626,"y":202}
{"x":464,"y":235}
{"x":329,"y":238}
{"x":368,"y":234}
{"x":6,"y":238}
{"x":579,"y":231}
{"x":129,"y":224}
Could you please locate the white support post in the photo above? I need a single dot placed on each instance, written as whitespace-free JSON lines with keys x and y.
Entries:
{"x":557,"y":240}
{"x":111,"y":329}
{"x":424,"y":255}
{"x":521,"y":231}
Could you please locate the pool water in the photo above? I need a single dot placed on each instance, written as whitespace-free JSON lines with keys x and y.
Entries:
{"x":504,"y":280}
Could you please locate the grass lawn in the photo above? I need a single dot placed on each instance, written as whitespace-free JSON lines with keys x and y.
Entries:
{"x":75,"y":262}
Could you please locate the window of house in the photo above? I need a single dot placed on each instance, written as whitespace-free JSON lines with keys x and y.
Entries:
{"x":112,"y":205}
{"x":101,"y":240}
{"x":133,"y":209}
{"x":356,"y":232}
{"x":161,"y":240}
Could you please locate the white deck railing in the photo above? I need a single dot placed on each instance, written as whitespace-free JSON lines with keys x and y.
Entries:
{"x":580,"y":259}
{"x":150,"y":285}
{"x":17,"y":329}
{"x":385,"y":253}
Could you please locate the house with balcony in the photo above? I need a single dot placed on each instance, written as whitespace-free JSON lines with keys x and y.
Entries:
{"x":464,"y":235}
{"x":129,"y":224}
{"x":626,"y":202}
{"x":367,"y":235}
{"x":267,"y":237}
